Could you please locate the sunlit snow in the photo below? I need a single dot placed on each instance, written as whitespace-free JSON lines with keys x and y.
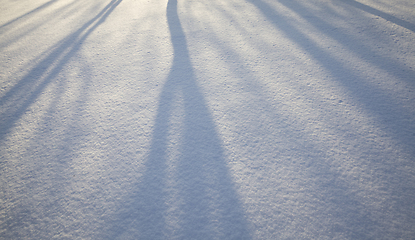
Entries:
{"x":222,"y":119}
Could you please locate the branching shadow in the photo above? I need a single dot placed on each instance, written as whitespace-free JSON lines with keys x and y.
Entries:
{"x":22,"y":95}
{"x":190,"y":196}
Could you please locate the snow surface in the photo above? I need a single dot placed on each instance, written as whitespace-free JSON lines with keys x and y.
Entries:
{"x":236,"y":119}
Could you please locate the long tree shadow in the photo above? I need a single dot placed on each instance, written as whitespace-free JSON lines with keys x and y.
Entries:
{"x":23,"y":94}
{"x":189,"y":195}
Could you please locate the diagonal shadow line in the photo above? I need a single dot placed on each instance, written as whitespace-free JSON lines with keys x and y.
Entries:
{"x":341,"y":73}
{"x":25,"y":92}
{"x":326,"y":180}
{"x":328,"y":186}
{"x":29,"y":13}
{"x":365,"y":53}
{"x":34,"y":25}
{"x":190,"y":196}
{"x":381,"y":14}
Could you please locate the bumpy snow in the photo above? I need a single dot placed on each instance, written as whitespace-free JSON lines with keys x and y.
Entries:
{"x":219,"y":119}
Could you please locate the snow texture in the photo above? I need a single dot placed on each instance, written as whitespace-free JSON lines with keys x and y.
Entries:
{"x":190,"y":119}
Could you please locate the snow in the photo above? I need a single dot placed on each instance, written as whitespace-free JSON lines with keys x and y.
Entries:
{"x":239,"y":119}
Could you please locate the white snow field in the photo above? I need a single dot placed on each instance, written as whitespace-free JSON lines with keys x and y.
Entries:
{"x":219,"y":119}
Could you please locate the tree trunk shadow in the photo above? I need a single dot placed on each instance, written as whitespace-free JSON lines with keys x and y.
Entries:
{"x":191,"y":196}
